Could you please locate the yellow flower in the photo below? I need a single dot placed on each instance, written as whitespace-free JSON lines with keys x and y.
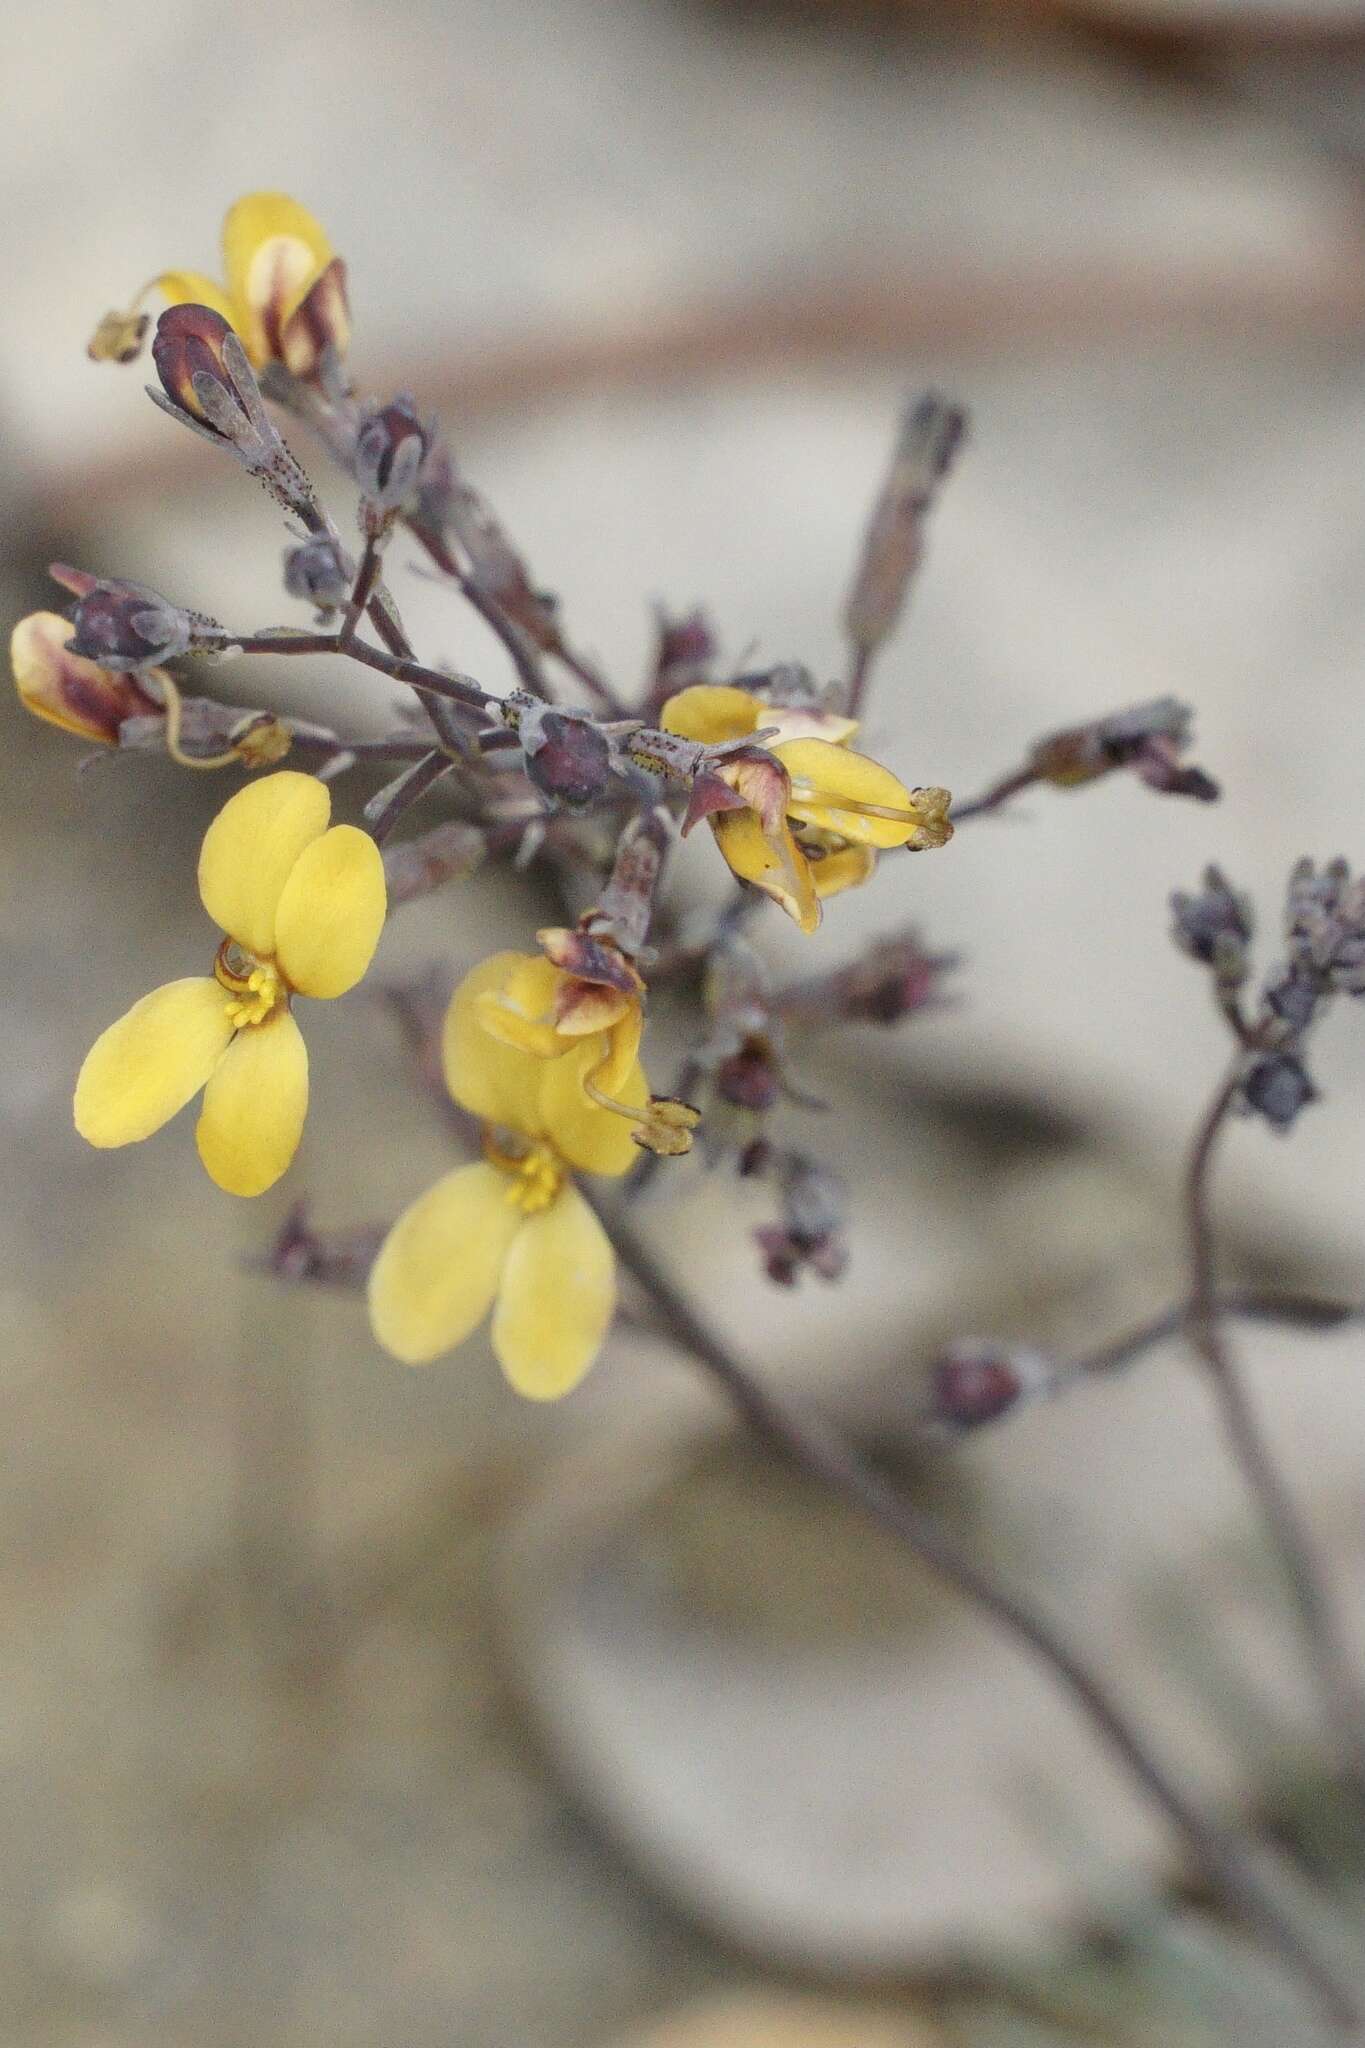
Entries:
{"x":799,"y":816}
{"x":285,"y":292}
{"x":303,"y":906}
{"x":514,"y":1234}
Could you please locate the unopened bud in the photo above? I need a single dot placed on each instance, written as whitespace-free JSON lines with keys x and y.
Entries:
{"x":567,"y":757}
{"x":192,"y":355}
{"x":930,"y":436}
{"x":125,"y":626}
{"x":69,"y":690}
{"x":391,"y":447}
{"x":1215,"y":927}
{"x":978,"y":1380}
{"x":749,"y":1079}
{"x":319,"y":571}
{"x":1278,"y":1088}
{"x":1148,"y":738}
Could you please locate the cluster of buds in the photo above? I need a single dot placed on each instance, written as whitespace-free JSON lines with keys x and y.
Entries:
{"x":1325,"y":957}
{"x":1148,"y":738}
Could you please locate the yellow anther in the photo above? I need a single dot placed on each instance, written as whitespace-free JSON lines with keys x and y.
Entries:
{"x":534,"y":1177}
{"x":256,"y":986}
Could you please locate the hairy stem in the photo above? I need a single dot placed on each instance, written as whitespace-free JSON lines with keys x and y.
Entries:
{"x":1322,"y":1638}
{"x":809,"y":1442}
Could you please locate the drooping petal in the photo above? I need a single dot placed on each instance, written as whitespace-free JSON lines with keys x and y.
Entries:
{"x":772,"y":861}
{"x":331,"y":912}
{"x":822,"y":774}
{"x":250,"y":849}
{"x":846,"y":868}
{"x":556,"y":1298}
{"x":712,"y":713}
{"x":486,"y":1075}
{"x":274,"y":251}
{"x":438,"y":1268}
{"x":192,"y":288}
{"x":321,"y":321}
{"x":254,"y":1107}
{"x":594,"y":1139}
{"x":143,"y":1069}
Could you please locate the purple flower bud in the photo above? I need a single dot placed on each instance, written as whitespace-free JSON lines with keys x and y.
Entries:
{"x":1278,"y":1088}
{"x":391,"y":447}
{"x":974,"y":1383}
{"x":320,"y":571}
{"x":1214,"y":927}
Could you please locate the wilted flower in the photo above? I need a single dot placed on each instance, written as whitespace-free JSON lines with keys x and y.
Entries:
{"x":1148,"y":738}
{"x":68,"y":689}
{"x":800,"y":818}
{"x":303,"y":906}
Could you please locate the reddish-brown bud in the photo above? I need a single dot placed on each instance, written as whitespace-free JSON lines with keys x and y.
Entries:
{"x":188,"y":352}
{"x":391,"y":447}
{"x":125,"y":626}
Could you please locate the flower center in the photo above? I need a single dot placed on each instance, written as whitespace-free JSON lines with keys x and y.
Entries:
{"x":534,"y":1177}
{"x":257,"y":987}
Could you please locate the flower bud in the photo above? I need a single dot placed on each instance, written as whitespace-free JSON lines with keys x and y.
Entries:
{"x":930,"y":436}
{"x":976,"y":1381}
{"x":193,"y":360}
{"x":1215,"y":927}
{"x":750,"y":1079}
{"x":69,"y":690}
{"x":320,"y":571}
{"x":391,"y":447}
{"x":125,"y":626}
{"x":1278,"y":1088}
{"x":567,"y":758}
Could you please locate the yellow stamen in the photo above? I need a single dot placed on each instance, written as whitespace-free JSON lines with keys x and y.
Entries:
{"x":256,"y":986}
{"x":663,"y":1125}
{"x":534,"y":1176}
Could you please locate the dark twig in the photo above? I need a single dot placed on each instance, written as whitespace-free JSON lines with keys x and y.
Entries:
{"x":809,"y":1442}
{"x":1321,"y":1633}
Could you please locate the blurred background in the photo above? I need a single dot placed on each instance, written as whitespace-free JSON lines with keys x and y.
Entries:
{"x":606,"y":1735}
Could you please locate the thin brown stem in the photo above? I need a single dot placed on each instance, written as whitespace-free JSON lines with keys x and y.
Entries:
{"x":525,"y":655}
{"x":1322,"y":1637}
{"x":809,"y":1442}
{"x":400,"y":668}
{"x":356,"y":605}
{"x":995,"y":797}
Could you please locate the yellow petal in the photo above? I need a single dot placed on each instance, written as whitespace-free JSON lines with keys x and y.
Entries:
{"x":438,"y":1268}
{"x":802,"y":722}
{"x":712,"y":713}
{"x":68,"y":689}
{"x":250,"y":849}
{"x":822,"y":774}
{"x":331,"y":912}
{"x":143,"y":1069}
{"x":274,"y":251}
{"x":254,"y":1107}
{"x":844,"y":869}
{"x":192,"y":288}
{"x":556,"y":1299}
{"x":775,"y":864}
{"x":486,"y":1076}
{"x":594,"y":1139}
